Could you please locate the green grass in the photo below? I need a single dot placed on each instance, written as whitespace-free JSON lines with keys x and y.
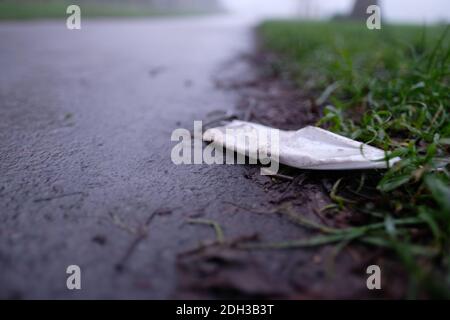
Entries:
{"x":30,"y":10}
{"x":389,"y":88}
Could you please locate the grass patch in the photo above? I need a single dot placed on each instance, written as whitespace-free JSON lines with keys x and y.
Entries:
{"x":388,"y":88}
{"x":29,"y":10}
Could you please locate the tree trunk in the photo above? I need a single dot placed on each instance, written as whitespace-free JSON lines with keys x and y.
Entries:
{"x":360,"y":8}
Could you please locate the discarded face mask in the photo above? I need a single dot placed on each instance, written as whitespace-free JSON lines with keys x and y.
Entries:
{"x":308,"y":148}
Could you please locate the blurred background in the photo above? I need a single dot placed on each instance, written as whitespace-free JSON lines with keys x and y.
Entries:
{"x":417,"y":11}
{"x":402,"y":11}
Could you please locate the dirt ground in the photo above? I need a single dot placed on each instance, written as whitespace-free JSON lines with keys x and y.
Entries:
{"x":226,"y":271}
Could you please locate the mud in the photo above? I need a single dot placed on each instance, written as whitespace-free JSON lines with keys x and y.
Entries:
{"x":226,"y":271}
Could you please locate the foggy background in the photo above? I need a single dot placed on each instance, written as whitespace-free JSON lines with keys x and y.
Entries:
{"x":417,"y":11}
{"x":396,"y":11}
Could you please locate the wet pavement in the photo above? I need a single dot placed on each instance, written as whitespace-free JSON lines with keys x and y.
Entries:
{"x":86,"y":176}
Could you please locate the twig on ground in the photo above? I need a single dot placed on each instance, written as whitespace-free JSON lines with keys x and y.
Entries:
{"x":59,"y":196}
{"x":217,"y":228}
{"x":142,"y":233}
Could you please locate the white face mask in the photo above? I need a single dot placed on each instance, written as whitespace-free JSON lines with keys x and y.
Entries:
{"x":308,"y":148}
